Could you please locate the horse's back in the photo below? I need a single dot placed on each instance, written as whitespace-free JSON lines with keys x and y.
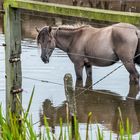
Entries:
{"x":124,"y":25}
{"x":124,"y":35}
{"x":111,"y":43}
{"x":125,"y":40}
{"x":99,"y":46}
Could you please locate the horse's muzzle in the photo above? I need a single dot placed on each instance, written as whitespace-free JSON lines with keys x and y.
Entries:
{"x":45,"y":59}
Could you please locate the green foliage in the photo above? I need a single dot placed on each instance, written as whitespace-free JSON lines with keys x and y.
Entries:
{"x":99,"y":134}
{"x":21,"y":128}
{"x":125,"y":131}
{"x":17,"y":127}
{"x":88,"y":123}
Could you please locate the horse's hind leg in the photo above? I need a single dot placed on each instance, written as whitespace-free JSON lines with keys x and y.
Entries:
{"x":88,"y":69}
{"x":125,"y":50}
{"x":134,"y":75}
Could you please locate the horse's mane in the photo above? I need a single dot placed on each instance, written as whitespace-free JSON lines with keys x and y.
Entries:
{"x":72,"y":27}
{"x":64,"y":27}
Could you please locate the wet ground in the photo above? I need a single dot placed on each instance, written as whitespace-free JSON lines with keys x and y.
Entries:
{"x":49,"y":97}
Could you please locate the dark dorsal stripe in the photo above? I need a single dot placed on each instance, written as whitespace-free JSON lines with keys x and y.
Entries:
{"x":72,"y":28}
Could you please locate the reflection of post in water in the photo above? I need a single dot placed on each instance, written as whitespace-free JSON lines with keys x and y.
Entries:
{"x":102,"y":103}
{"x":70,"y":96}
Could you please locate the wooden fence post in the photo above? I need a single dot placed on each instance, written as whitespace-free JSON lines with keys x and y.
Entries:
{"x":12,"y":30}
{"x":70,"y":96}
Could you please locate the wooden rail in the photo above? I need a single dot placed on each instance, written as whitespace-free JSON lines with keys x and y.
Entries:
{"x":82,"y":12}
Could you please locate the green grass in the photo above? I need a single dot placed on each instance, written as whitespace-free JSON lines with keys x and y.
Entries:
{"x":21,"y":128}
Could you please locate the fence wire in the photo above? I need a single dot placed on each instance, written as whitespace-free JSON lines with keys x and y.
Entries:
{"x":84,"y":89}
{"x":81,"y":88}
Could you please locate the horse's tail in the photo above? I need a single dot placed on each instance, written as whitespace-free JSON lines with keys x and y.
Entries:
{"x":137,"y":55}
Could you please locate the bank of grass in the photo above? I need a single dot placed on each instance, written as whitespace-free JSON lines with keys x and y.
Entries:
{"x":21,"y":128}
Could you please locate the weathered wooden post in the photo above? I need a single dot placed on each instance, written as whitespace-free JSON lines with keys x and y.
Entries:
{"x":70,"y":96}
{"x":12,"y":30}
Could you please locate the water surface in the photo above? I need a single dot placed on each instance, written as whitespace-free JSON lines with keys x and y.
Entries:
{"x":49,"y":97}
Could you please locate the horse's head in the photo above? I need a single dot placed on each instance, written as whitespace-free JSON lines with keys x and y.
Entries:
{"x":47,"y":42}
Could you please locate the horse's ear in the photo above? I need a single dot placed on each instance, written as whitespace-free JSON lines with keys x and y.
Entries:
{"x":50,"y":29}
{"x":37,"y":29}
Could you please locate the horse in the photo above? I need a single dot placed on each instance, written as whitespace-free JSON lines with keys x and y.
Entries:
{"x":87,"y":46}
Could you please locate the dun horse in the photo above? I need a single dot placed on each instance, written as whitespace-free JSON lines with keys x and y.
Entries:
{"x":87,"y":46}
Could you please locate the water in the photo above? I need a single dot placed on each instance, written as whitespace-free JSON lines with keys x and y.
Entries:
{"x":49,"y":97}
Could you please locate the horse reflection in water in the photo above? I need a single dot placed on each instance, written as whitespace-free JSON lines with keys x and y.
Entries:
{"x":104,"y":107}
{"x":87,"y":46}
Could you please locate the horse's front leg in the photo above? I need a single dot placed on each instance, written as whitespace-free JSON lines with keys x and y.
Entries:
{"x":79,"y":71}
